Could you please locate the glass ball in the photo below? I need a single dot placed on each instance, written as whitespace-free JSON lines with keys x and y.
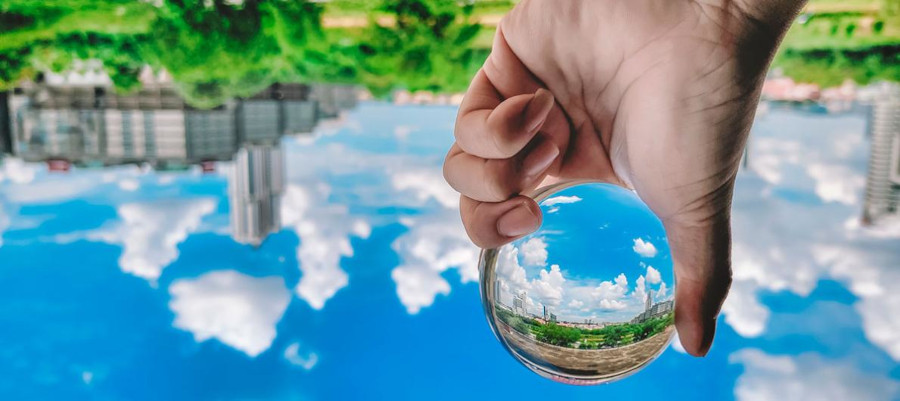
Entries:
{"x":588,"y":297}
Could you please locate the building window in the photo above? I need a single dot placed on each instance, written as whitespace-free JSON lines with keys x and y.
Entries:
{"x":895,"y":160}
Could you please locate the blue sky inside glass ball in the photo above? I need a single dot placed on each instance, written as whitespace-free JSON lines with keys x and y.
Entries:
{"x":597,"y":255}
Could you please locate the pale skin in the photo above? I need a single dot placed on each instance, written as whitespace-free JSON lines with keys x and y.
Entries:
{"x":653,"y":95}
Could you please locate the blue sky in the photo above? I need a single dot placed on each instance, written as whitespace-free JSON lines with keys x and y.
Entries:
{"x":597,"y":255}
{"x":125,"y":284}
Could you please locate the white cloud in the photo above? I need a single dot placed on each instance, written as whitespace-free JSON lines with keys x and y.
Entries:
{"x":402,"y":132}
{"x":836,"y":183}
{"x":509,"y":270}
{"x":307,"y":361}
{"x":549,"y":286}
{"x":25,"y":187}
{"x":361,"y":229}
{"x":165,"y":178}
{"x":150,"y":233}
{"x":574,"y":300}
{"x":789,"y":242}
{"x":319,"y":214}
{"x":653,"y":276}
{"x":324,"y":230}
{"x":676,"y":344}
{"x":238,"y":310}
{"x":49,"y":190}
{"x":662,"y":291}
{"x":743,"y":311}
{"x":640,"y":290}
{"x":129,"y":184}
{"x":4,"y":223}
{"x":644,"y":248}
{"x":432,"y":245}
{"x":87,"y":377}
{"x":560,"y":200}
{"x":417,"y":287}
{"x":621,"y":280}
{"x":426,"y":184}
{"x":608,"y":290}
{"x":878,"y":288}
{"x":807,"y":377}
{"x":534,"y":252}
{"x":436,"y":241}
{"x":17,"y":171}
{"x":611,"y":304}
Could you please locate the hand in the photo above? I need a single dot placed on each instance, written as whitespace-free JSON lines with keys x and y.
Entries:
{"x":653,"y":95}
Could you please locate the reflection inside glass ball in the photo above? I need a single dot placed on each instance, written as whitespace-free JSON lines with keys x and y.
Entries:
{"x":588,"y":298}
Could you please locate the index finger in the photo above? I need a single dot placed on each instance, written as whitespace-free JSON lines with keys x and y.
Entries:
{"x":499,"y":113}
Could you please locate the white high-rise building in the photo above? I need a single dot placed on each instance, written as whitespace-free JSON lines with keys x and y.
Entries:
{"x":883,"y":179}
{"x":520,"y":304}
{"x":254,"y":191}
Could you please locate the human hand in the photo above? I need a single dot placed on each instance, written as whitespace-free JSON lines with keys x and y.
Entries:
{"x":653,"y":95}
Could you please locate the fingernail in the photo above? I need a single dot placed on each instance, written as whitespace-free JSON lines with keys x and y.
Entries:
{"x":540,"y":158}
{"x":518,"y":221}
{"x":538,"y":109}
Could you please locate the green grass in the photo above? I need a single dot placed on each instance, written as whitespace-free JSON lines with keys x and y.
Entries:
{"x":843,"y":32}
{"x":362,"y":8}
{"x":127,"y":18}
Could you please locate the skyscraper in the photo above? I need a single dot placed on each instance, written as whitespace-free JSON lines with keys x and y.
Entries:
{"x":883,"y":179}
{"x":519,"y":303}
{"x":254,"y":190}
{"x":5,"y":124}
{"x":649,"y":302}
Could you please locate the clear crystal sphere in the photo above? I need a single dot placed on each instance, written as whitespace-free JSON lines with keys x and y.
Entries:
{"x":588,"y":298}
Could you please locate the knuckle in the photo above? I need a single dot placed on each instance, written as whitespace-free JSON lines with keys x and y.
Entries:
{"x":474,"y":222}
{"x":501,"y":179}
{"x":447,"y":172}
{"x":477,"y":239}
{"x":503,"y":147}
{"x":477,"y":235}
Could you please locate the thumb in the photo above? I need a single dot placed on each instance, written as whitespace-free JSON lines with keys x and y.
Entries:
{"x":701,"y":251}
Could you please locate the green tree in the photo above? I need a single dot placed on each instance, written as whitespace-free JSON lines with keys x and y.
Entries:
{"x":218,"y":50}
{"x":14,"y":66}
{"x":428,"y":46}
{"x":558,"y":335}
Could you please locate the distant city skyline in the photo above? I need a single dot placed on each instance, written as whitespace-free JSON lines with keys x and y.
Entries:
{"x":91,"y":126}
